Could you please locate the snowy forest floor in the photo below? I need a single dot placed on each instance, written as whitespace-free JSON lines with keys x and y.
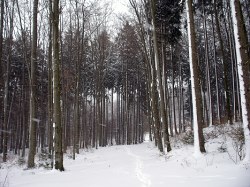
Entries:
{"x":138,"y":166}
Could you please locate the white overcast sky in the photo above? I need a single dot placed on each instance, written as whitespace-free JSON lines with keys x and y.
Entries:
{"x":120,"y":6}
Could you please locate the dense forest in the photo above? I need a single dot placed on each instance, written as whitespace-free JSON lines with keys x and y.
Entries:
{"x":74,"y":77}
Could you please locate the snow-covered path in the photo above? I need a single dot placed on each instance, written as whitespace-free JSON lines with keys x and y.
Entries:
{"x":146,"y":182}
{"x":135,"y":166}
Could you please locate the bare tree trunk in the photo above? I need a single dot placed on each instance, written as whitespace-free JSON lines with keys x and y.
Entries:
{"x":216,"y":75}
{"x":56,"y":90}
{"x":77,"y":78}
{"x":195,"y":83}
{"x":208,"y":77}
{"x":156,"y":116}
{"x":1,"y":73}
{"x":24,"y":133}
{"x":33,"y":121}
{"x":94,"y":124}
{"x":154,"y":101}
{"x":112,"y":116}
{"x":173,"y":93}
{"x":243,"y":59}
{"x":226,"y":84}
{"x":50,"y":91}
{"x":6,"y":86}
{"x":159,"y":81}
{"x":118,"y":117}
{"x":235,"y":80}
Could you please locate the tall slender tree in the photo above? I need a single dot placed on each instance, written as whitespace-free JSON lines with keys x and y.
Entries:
{"x":198,"y":122}
{"x":1,"y":71}
{"x":6,"y":83}
{"x":33,"y":121}
{"x":243,"y":60}
{"x":50,"y":97}
{"x":58,"y":153}
{"x":225,"y":68}
{"x":159,"y":80}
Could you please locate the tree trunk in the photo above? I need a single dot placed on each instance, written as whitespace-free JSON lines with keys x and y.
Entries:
{"x":173,"y":93}
{"x":159,"y":81}
{"x":6,"y":86}
{"x":1,"y":73}
{"x":226,"y":84}
{"x":243,"y":59}
{"x":198,"y":122}
{"x":33,"y":121}
{"x":56,"y":90}
{"x":208,"y":77}
{"x":50,"y":91}
{"x":216,"y":75}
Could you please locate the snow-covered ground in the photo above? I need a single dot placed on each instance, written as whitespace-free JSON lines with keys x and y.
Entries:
{"x":136,"y":166}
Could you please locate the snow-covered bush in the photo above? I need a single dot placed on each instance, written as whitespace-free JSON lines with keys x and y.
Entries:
{"x":21,"y":161}
{"x":44,"y":160}
{"x":222,"y":148}
{"x":187,"y":138}
{"x":236,"y":133}
{"x":212,"y":133}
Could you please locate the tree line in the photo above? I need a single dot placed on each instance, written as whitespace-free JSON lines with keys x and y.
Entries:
{"x":69,"y":81}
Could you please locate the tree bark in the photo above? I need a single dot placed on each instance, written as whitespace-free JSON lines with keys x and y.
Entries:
{"x":56,"y":90}
{"x":33,"y":121}
{"x":198,"y":122}
{"x":159,"y":81}
{"x":216,"y":75}
{"x":1,"y":72}
{"x":225,"y":68}
{"x":6,"y":86}
{"x":243,"y":60}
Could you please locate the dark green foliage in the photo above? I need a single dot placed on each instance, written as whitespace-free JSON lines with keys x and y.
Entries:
{"x":168,"y":19}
